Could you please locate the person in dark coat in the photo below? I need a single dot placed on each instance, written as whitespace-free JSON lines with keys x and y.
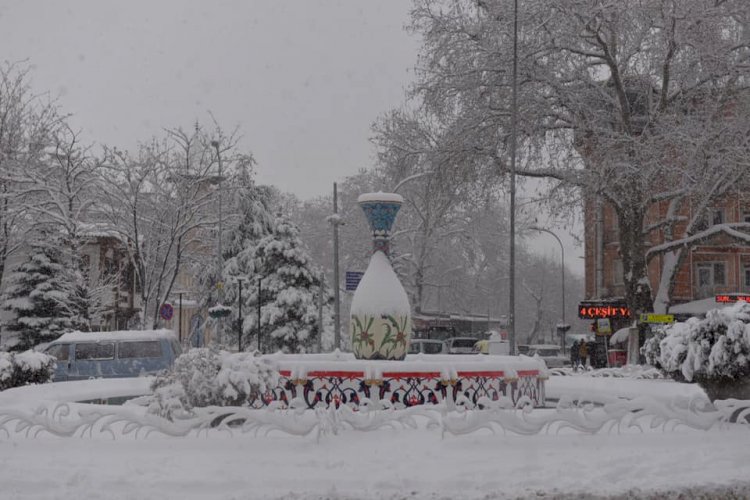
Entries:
{"x":574,"y":355}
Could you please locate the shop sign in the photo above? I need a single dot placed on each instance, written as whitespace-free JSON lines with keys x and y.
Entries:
{"x":596,"y":310}
{"x":729,"y":298}
{"x":657,"y":318}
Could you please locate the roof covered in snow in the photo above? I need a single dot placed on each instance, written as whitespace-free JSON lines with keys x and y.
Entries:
{"x":697,"y":307}
{"x":116,"y":335}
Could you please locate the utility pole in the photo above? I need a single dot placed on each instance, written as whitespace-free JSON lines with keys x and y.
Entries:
{"x":260,"y":281}
{"x":239,"y":305}
{"x":336,"y":282}
{"x":513,"y":132}
{"x":321,"y":290}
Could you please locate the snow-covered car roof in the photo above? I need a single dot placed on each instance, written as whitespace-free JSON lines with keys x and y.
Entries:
{"x":116,"y":335}
{"x":544,"y":346}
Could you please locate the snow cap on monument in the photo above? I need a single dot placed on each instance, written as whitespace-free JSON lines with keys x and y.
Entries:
{"x":380,"y":291}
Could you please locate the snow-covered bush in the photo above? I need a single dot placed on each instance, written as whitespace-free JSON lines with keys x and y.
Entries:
{"x":209,"y":377}
{"x":24,"y":368}
{"x":714,"y":348}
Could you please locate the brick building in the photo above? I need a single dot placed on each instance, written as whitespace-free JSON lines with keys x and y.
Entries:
{"x":718,"y":264}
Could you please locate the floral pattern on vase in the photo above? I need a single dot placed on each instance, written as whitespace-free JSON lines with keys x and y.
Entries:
{"x":384,"y":337}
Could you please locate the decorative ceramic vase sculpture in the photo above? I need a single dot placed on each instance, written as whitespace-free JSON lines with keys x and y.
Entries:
{"x":380,"y":315}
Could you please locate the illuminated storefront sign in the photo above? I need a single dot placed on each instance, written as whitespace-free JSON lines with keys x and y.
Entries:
{"x":729,"y":298}
{"x":596,"y":310}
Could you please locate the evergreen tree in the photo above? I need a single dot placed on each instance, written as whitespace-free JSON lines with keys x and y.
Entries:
{"x":42,"y":297}
{"x":253,"y":205}
{"x":289,"y":288}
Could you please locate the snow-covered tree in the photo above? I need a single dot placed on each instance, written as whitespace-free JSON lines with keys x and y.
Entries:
{"x":288,"y":292}
{"x":28,"y":122}
{"x":253,"y":221}
{"x":63,"y":188}
{"x":635,"y":104}
{"x":41,"y":297}
{"x":162,"y":201}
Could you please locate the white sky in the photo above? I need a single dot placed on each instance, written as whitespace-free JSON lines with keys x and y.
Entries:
{"x":303,"y":80}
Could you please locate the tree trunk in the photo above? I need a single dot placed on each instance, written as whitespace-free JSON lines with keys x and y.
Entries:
{"x":632,"y":251}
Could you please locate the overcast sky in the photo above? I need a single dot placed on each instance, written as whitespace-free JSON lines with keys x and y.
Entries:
{"x":303,"y":80}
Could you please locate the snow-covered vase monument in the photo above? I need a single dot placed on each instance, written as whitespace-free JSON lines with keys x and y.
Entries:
{"x":380,"y":322}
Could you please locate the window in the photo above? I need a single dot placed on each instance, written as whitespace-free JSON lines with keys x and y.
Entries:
{"x":141,"y":349}
{"x":617,"y":272}
{"x":717,"y":216}
{"x":710,"y":274}
{"x":93,"y":350}
{"x":432,"y":348}
{"x":59,"y":351}
{"x":746,"y":276}
{"x":746,"y":217}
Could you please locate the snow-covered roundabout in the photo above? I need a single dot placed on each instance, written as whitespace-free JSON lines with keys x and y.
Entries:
{"x":599,"y":436}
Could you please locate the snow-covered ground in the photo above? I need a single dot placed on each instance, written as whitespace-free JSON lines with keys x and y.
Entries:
{"x":386,"y":463}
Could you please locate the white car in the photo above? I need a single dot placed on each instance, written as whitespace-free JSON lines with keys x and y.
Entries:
{"x":551,"y":354}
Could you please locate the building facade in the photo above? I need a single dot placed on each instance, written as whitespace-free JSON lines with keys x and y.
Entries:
{"x":718,"y":264}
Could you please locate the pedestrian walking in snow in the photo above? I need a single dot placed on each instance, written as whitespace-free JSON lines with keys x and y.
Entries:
{"x":574,"y":355}
{"x":583,"y":353}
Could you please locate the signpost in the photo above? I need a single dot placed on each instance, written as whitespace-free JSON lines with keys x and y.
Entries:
{"x":166,"y":311}
{"x":603,"y":326}
{"x":657,"y":318}
{"x":352,"y":280}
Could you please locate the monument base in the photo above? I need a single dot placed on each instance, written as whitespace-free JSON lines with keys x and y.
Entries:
{"x":338,"y":378}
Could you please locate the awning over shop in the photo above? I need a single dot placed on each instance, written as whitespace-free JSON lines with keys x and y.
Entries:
{"x":620,"y":335}
{"x":697,"y":307}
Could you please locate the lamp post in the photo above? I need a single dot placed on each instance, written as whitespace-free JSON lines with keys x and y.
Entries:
{"x":562,"y":272}
{"x":513,"y":133}
{"x":336,"y":222}
{"x":239,"y":315}
{"x":215,"y":144}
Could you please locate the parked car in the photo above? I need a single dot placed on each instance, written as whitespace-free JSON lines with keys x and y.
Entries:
{"x":550,"y":353}
{"x":85,"y":355}
{"x":461,"y":345}
{"x":427,"y":346}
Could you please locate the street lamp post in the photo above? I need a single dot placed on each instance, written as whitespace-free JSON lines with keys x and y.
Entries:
{"x":215,"y":144}
{"x":562,"y":272}
{"x":336,"y":222}
{"x":513,"y":133}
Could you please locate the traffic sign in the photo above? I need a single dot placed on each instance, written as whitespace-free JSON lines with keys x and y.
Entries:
{"x":352,"y":280}
{"x":657,"y":318}
{"x":166,"y":311}
{"x":603,"y":326}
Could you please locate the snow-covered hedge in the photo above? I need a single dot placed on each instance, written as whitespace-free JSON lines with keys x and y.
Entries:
{"x":24,"y":368}
{"x":717,"y":347}
{"x":208,"y":377}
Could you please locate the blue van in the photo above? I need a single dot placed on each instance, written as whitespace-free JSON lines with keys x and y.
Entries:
{"x":86,"y":355}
